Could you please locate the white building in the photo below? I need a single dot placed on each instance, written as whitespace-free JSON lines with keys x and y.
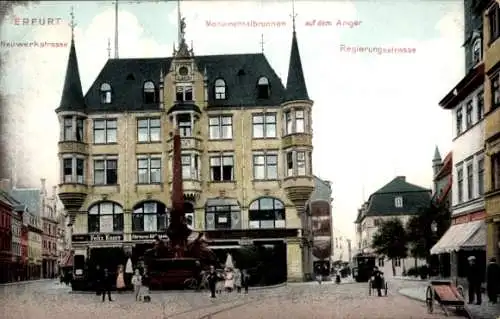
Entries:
{"x":467,"y":235}
{"x":397,"y":199}
{"x":341,"y":246}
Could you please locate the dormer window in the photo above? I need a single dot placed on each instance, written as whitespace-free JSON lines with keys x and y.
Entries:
{"x":105,"y":93}
{"x":476,"y":51}
{"x":398,"y":202}
{"x":149,"y":93}
{"x":263,"y":91}
{"x":220,"y":89}
{"x":184,"y":93}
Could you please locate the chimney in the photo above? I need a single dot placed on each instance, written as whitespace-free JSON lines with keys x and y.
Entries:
{"x":401,"y":178}
{"x":5,"y":185}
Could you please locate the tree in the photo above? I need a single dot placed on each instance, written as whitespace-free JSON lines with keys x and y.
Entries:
{"x":390,"y":240}
{"x":421,"y":238}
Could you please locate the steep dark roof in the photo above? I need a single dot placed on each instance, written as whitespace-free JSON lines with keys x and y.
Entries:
{"x":240,"y":72}
{"x":72,"y":95}
{"x":295,"y":84}
{"x":30,"y":197}
{"x":382,"y":202}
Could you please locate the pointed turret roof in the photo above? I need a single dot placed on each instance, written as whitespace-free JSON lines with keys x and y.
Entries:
{"x":296,"y":84}
{"x":437,"y":156}
{"x":72,"y":94}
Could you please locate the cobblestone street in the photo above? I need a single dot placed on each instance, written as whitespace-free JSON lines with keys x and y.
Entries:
{"x":294,"y":301}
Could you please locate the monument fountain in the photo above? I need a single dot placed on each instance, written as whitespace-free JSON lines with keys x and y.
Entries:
{"x":170,"y":264}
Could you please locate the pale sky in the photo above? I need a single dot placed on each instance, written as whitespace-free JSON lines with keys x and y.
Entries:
{"x":374,"y":116}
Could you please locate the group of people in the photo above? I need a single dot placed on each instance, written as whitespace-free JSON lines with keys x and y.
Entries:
{"x":474,"y":279}
{"x":229,"y":280}
{"x":125,"y":278}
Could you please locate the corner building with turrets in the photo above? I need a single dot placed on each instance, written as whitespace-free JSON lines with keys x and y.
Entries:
{"x":246,"y":154}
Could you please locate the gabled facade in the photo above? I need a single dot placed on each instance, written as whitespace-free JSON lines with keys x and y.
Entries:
{"x":443,"y":179}
{"x":397,"y":199}
{"x":246,"y":151}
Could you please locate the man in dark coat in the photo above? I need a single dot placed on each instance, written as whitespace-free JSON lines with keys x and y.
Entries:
{"x":106,"y":284}
{"x":493,"y":280}
{"x":377,"y":280}
{"x":474,"y":280}
{"x":213,"y":277}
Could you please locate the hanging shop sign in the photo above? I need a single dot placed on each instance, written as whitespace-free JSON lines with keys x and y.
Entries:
{"x":148,"y":236}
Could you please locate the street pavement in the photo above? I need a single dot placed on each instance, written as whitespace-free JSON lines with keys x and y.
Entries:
{"x":50,"y":299}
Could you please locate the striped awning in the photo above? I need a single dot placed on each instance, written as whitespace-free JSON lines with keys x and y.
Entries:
{"x":461,"y":236}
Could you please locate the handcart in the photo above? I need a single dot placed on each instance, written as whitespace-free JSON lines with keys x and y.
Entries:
{"x":447,"y":295}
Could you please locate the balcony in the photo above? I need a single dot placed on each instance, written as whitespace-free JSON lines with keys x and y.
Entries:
{"x":187,"y":143}
{"x":192,"y":189}
{"x":73,"y":147}
{"x":298,"y":188}
{"x":72,"y":195}
{"x":297,"y":139}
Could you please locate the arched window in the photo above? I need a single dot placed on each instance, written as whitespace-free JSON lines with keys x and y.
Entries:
{"x":220,"y":89}
{"x":476,"y":50}
{"x":105,"y":93}
{"x":267,"y":212}
{"x":105,"y":217}
{"x":150,"y":216}
{"x":149,"y":93}
{"x":263,"y":90}
{"x":222,"y":213}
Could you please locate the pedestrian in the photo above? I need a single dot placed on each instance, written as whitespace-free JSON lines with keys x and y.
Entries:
{"x":213,"y":278}
{"x":137,"y":282}
{"x":229,"y":280}
{"x":106,"y":284}
{"x":129,"y":272}
{"x":120,"y":281}
{"x":237,"y":279}
{"x":377,"y":281}
{"x":474,"y":281}
{"x":493,"y":280}
{"x":97,"y":280}
{"x":245,"y":279}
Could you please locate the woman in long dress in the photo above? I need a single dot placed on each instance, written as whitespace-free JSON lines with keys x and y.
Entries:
{"x":120,"y":280}
{"x":229,"y":280}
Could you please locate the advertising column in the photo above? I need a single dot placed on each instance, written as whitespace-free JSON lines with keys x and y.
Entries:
{"x":322,"y":232}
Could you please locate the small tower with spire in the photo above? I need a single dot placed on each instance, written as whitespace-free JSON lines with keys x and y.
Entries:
{"x":297,"y":105}
{"x":437,"y":162}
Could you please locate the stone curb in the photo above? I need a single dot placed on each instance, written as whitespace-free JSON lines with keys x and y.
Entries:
{"x":408,"y":279}
{"x":402,"y":293}
{"x":26,"y":282}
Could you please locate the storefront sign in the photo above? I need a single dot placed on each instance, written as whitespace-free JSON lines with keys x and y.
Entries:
{"x":148,"y":236}
{"x":98,"y":237}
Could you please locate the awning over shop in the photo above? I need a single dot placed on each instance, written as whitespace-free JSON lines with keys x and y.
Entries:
{"x":67,"y":260}
{"x":461,"y":236}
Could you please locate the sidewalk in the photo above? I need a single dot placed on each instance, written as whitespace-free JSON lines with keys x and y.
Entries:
{"x":408,"y":278}
{"x":25,"y":282}
{"x":484,"y":311}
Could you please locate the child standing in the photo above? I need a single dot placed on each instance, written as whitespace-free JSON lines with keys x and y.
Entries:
{"x":137,"y":282}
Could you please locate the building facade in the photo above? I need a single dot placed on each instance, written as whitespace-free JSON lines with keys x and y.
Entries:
{"x":35,"y":233}
{"x":115,"y":152}
{"x":466,"y":101}
{"x":49,"y":237}
{"x":490,"y":12}
{"x":6,"y":212}
{"x":397,"y":199}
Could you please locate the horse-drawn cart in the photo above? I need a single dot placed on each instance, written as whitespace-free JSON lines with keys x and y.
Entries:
{"x":446,"y":294}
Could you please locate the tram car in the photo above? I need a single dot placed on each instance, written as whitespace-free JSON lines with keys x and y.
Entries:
{"x":363,"y":265}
